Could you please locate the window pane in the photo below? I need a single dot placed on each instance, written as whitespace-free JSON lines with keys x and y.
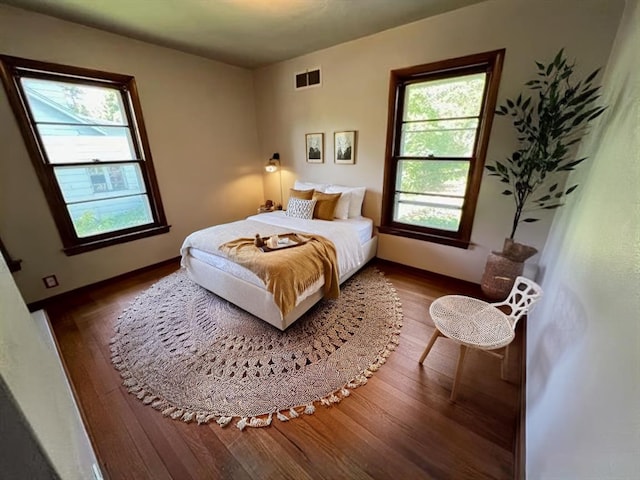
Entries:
{"x":93,"y":218}
{"x":444,"y":138}
{"x":64,"y":102}
{"x":432,"y":176}
{"x":80,"y":184}
{"x":428,"y":211}
{"x":71,"y":143}
{"x":445,"y":98}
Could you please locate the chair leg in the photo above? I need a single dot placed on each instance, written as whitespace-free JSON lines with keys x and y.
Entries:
{"x":432,"y":340}
{"x":456,"y":381}
{"x":505,"y":363}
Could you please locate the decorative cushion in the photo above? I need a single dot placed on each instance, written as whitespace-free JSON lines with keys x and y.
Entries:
{"x":355,"y":202}
{"x":342,"y":209}
{"x":299,"y":208}
{"x":302,"y":194}
{"x":326,"y":204}
{"x":318,"y":187}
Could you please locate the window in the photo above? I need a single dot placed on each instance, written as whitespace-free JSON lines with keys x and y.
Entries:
{"x":439,"y":122}
{"x":85,"y":134}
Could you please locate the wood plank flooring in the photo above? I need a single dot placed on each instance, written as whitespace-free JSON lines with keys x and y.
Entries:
{"x":401,"y":425}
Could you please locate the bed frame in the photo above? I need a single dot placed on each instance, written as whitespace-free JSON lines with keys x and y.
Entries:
{"x":258,"y":301}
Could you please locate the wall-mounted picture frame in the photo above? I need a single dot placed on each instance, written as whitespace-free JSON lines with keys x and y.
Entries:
{"x":344,"y":147}
{"x":314,"y":143}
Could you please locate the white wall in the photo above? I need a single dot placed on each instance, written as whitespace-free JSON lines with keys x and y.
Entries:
{"x":200,"y":118}
{"x":31,"y":369}
{"x":354,"y":95}
{"x":583,"y":375}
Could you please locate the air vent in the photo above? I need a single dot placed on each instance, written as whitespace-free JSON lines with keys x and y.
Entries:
{"x":307,"y":79}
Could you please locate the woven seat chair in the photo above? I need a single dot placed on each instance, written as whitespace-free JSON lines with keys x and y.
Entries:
{"x":473,"y":323}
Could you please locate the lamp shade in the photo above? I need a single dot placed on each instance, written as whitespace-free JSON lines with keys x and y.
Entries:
{"x":273,"y":164}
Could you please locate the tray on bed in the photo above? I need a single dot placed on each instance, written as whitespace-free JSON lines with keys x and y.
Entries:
{"x":288,"y":240}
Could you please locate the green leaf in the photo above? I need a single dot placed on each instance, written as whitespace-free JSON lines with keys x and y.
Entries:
{"x":491,"y":168}
{"x":584,"y":97}
{"x":530,"y":220}
{"x":544,"y":198}
{"x":540,"y":66}
{"x":584,"y":116}
{"x":597,"y":114}
{"x":569,"y":166}
{"x":553,"y":187}
{"x":592,"y":76}
{"x":570,"y":189}
{"x":507,"y":192}
{"x":556,"y":61}
{"x":510,"y":103}
{"x":552,"y":207}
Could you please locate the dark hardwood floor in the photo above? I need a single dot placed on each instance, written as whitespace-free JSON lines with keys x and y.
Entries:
{"x":401,"y":425}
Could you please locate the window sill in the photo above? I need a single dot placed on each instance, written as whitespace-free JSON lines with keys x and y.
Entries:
{"x":426,"y":237}
{"x":107,"y":242}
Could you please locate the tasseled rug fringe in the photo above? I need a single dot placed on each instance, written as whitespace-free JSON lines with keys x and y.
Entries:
{"x":284,"y":415}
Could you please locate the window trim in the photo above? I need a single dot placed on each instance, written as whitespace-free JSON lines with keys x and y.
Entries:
{"x":489,"y":62}
{"x":10,"y":68}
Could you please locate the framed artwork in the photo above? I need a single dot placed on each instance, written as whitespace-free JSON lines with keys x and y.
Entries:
{"x":314,"y":143}
{"x":344,"y":147}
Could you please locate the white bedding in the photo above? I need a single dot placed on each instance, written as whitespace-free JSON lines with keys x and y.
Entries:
{"x":345,"y":235}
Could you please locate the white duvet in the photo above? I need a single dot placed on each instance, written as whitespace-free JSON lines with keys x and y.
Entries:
{"x":344,"y":237}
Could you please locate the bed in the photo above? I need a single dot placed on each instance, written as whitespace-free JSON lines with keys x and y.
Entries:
{"x":208,"y":266}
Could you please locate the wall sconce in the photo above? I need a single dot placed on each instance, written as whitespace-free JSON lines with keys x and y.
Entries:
{"x":272,"y":166}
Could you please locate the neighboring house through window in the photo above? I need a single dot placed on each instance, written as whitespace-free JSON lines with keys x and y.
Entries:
{"x":440,"y":117}
{"x":85,"y":133}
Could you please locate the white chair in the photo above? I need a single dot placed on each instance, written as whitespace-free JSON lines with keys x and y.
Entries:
{"x":473,"y":323}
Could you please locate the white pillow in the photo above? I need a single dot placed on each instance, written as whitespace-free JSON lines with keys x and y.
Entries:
{"x":299,"y":208}
{"x":342,"y":208}
{"x":356,"y":197}
{"x":320,"y":187}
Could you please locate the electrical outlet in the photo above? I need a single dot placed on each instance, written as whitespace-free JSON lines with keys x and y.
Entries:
{"x":50,"y":281}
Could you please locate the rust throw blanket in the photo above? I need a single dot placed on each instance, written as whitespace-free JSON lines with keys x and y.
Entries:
{"x":290,"y":271}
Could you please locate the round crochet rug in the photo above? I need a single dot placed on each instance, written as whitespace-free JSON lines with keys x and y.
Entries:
{"x":196,"y":357}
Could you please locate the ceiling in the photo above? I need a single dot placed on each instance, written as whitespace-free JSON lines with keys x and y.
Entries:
{"x":247,"y":33}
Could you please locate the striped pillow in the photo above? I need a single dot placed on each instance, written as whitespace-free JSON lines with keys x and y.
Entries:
{"x":299,"y":208}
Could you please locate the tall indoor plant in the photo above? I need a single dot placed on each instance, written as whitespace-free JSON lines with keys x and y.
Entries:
{"x":550,"y":119}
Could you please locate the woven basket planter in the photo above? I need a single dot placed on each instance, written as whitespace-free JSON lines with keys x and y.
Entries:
{"x":499,"y":275}
{"x":518,"y":252}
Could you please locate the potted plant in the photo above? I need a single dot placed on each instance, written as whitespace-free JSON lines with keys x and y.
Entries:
{"x":549,"y":120}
